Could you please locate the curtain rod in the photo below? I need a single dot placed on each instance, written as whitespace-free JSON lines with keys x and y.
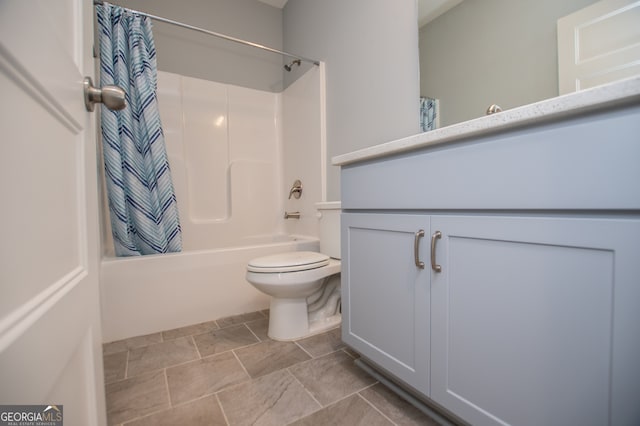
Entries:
{"x":215,"y":34}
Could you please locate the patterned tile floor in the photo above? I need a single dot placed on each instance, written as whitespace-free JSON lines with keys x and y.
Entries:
{"x":228,"y":372}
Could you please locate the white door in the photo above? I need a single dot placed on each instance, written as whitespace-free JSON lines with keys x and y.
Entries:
{"x":598,"y":44}
{"x":50,"y":338}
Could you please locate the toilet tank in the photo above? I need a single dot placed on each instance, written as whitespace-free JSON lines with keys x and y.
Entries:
{"x":329,"y":228}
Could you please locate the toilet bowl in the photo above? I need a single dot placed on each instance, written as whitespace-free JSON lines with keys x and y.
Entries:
{"x":304,"y":286}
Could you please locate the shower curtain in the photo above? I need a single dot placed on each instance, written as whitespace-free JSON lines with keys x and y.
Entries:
{"x":428,"y":114}
{"x":142,"y":202}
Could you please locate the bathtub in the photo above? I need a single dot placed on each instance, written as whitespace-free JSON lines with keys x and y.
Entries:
{"x":148,"y":294}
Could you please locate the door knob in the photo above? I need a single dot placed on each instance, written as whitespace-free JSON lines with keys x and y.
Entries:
{"x":111,"y":96}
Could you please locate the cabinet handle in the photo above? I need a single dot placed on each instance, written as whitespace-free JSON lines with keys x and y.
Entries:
{"x":416,"y":248}
{"x":434,"y":238}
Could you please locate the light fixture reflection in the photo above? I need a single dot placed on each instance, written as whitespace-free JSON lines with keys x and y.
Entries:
{"x":219,"y":122}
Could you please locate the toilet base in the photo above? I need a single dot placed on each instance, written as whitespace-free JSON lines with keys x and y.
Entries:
{"x":289,"y":320}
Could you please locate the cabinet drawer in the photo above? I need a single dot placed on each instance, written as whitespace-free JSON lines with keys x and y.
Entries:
{"x":589,"y":162}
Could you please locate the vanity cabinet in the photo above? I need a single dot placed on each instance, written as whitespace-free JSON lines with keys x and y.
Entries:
{"x":533,"y":317}
{"x":527,"y":314}
{"x":516,"y":328}
{"x":387,"y":297}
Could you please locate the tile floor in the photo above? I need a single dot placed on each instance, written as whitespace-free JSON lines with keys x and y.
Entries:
{"x":228,"y":372}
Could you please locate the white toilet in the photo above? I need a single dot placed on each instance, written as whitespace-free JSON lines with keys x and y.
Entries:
{"x":304,"y":286}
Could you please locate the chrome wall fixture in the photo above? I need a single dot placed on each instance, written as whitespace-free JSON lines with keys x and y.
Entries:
{"x":296,"y":189}
{"x":289,"y":67}
{"x":493,"y":108}
{"x":292,"y":215}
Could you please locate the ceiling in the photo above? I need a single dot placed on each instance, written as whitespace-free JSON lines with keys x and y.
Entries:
{"x":427,"y":9}
{"x":275,"y":3}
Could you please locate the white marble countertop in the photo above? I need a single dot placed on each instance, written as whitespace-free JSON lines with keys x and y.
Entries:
{"x":618,"y":93}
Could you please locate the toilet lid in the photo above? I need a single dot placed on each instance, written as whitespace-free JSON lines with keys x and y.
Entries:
{"x":289,"y":262}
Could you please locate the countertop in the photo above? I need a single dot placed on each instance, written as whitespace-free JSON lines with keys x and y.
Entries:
{"x":606,"y":96}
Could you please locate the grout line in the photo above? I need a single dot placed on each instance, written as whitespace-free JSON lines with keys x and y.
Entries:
{"x":222,"y":409}
{"x":124,"y":423}
{"x":241,"y":364}
{"x":306,"y":390}
{"x":251,"y":331}
{"x":350,"y":395}
{"x":373,"y":406}
{"x":192,"y":400}
{"x":166,"y":383}
{"x":303,"y":349}
{"x":126,"y":366}
{"x":196,"y":346}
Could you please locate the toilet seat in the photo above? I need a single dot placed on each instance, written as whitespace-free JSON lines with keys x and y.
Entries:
{"x":288,"y":262}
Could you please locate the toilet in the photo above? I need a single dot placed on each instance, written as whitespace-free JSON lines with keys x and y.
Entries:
{"x":304,"y":286}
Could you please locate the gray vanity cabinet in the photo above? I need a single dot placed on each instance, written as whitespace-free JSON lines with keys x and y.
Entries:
{"x":386,"y":301}
{"x":534,"y":316}
{"x":528,"y":322}
{"x":526,"y":315}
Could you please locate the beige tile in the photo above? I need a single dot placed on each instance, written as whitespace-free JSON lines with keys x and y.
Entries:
{"x":189,"y":330}
{"x":269,"y":356}
{"x":260,"y":328}
{"x":161,"y":355}
{"x":136,"y":397}
{"x":225,"y":339}
{"x":239,"y":319}
{"x":133,"y":342}
{"x":351,"y":411}
{"x":397,"y":409}
{"x":204,"y":377}
{"x":115,"y":366}
{"x":201,"y":412}
{"x":275,"y":399}
{"x":331,"y":377}
{"x":322,"y":344}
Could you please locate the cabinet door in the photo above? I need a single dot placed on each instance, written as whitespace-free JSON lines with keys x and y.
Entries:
{"x":534,"y":320}
{"x":385,"y":297}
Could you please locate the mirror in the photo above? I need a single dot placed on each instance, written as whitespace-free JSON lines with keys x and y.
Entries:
{"x":476,"y":53}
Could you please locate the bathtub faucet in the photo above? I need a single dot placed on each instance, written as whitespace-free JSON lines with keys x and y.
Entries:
{"x":292,"y":215}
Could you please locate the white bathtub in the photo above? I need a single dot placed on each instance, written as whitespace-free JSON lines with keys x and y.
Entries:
{"x":147,"y":294}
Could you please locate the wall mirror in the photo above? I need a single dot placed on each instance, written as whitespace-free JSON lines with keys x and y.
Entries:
{"x":476,"y":53}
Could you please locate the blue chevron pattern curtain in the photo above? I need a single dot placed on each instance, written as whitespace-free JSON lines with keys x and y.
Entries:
{"x":142,"y":202}
{"x":428,"y":113}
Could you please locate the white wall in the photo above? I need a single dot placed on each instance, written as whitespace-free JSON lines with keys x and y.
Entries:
{"x":198,"y":55}
{"x":304,"y":151}
{"x":370,"y":48}
{"x":224,"y":148}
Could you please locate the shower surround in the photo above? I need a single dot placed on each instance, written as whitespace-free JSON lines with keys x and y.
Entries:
{"x":234,"y":153}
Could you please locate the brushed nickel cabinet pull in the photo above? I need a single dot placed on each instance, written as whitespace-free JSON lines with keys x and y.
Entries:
{"x":416,"y":248}
{"x":434,"y":238}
